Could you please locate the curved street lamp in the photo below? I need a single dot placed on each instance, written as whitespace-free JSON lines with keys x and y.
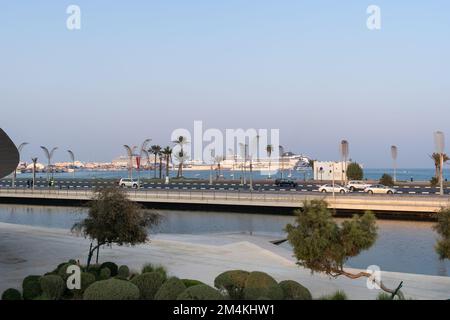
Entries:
{"x":72,"y":158}
{"x":49,"y":155}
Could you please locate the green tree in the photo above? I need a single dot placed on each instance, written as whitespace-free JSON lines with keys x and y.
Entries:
{"x":167,"y":152}
{"x":443,"y":229}
{"x":354,"y":171}
{"x":387,"y":180}
{"x":321,"y":245}
{"x":155,"y":150}
{"x":113,"y":218}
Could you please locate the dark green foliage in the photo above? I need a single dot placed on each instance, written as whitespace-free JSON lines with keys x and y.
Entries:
{"x":384,"y":296}
{"x":260,"y":284}
{"x":200,"y":292}
{"x":338,"y":295}
{"x":387,"y":180}
{"x":148,"y":284}
{"x":31,"y":287}
{"x":52,"y":286}
{"x":11,"y":294}
{"x":232,"y":282}
{"x":354,"y":171}
{"x":123,"y":272}
{"x":111,"y":289}
{"x":95,"y":270}
{"x":434,"y":182}
{"x":321,"y":245}
{"x":62,"y":270}
{"x":87,"y":279}
{"x":111,"y":266}
{"x":443,"y":230}
{"x":105,"y":274}
{"x":294,"y":291}
{"x":191,"y":282}
{"x":170,"y":289}
{"x":148,"y":267}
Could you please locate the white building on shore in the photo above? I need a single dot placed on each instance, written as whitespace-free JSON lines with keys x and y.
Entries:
{"x":330,"y":170}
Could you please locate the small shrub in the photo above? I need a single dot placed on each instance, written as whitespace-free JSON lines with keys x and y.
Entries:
{"x":123,"y":272}
{"x":95,"y":270}
{"x":111,"y":289}
{"x":233,"y":282}
{"x":11,"y":294}
{"x":354,"y":171}
{"x":384,"y":296}
{"x":52,"y":286}
{"x":31,"y":287}
{"x":105,"y":274}
{"x":191,"y":282}
{"x":434,"y":182}
{"x":62,"y":271}
{"x":148,"y":284}
{"x":260,"y":284}
{"x":295,"y":291}
{"x":87,"y":279}
{"x":111,"y":266}
{"x":387,"y":180}
{"x":147,"y":268}
{"x":338,"y":295}
{"x":200,"y":292}
{"x":170,"y":289}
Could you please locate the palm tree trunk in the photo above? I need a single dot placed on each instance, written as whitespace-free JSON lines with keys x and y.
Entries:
{"x":155,"y":166}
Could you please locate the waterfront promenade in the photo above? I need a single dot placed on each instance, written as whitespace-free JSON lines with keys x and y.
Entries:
{"x":424,"y":206}
{"x":35,"y":250}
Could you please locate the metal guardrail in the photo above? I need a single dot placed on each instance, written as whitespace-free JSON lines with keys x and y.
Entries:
{"x":242,"y":197}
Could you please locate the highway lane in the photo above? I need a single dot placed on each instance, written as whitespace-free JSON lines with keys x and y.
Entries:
{"x":305,"y":187}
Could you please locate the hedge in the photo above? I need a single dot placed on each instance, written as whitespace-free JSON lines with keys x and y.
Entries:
{"x":260,"y":284}
{"x":148,"y":284}
{"x":11,"y":294}
{"x":200,"y":292}
{"x":111,"y":289}
{"x":232,"y":282}
{"x":52,"y":286}
{"x":293,"y":290}
{"x":31,"y":288}
{"x":170,"y":289}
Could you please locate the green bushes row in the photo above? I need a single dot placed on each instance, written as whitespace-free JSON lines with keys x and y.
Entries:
{"x":110,"y":282}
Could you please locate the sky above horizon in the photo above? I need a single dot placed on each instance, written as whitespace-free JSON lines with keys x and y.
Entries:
{"x":141,"y":69}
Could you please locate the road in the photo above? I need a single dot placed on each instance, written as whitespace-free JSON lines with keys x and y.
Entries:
{"x":304,"y":187}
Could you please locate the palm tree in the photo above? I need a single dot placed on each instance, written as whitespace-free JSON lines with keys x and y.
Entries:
{"x":160,"y":157}
{"x":436,"y":157}
{"x":269,"y":150}
{"x":218,"y":159}
{"x":167,"y":152}
{"x":155,"y":150}
{"x":181,"y":156}
{"x":49,"y":155}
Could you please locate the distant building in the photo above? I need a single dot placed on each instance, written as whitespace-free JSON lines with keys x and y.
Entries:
{"x":325,"y":170}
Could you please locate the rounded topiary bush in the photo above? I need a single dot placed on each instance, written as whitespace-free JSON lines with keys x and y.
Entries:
{"x":105,"y":274}
{"x":31,"y":288}
{"x":191,"y":282}
{"x":170,"y":289}
{"x":123,"y":272}
{"x":200,"y":292}
{"x":147,"y":268}
{"x":62,"y":270}
{"x":293,"y":290}
{"x":111,"y":266}
{"x":95,"y":270}
{"x":87,"y":279}
{"x":148,"y":284}
{"x":232,"y":282}
{"x":52,"y":286}
{"x":260,"y":284}
{"x":11,"y":294}
{"x":111,"y":289}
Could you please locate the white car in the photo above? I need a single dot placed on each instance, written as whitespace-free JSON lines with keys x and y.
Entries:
{"x":129,"y":183}
{"x":337,"y":188}
{"x":379,"y":188}
{"x":357,"y":185}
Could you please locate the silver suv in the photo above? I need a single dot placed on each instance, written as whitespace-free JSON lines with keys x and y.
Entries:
{"x":355,"y":185}
{"x":129,"y":183}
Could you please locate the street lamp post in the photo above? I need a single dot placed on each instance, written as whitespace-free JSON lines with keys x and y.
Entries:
{"x":72,"y":158}
{"x":34,"y":170}
{"x":344,"y":156}
{"x":49,"y":155}
{"x":19,"y":148}
{"x":394,"y":154}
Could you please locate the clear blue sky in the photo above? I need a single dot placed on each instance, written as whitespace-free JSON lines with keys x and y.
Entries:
{"x":140,"y":69}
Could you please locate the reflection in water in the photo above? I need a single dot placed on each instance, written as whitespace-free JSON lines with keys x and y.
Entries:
{"x":401,"y":246}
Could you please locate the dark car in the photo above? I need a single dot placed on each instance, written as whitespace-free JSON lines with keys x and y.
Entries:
{"x":285,"y":183}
